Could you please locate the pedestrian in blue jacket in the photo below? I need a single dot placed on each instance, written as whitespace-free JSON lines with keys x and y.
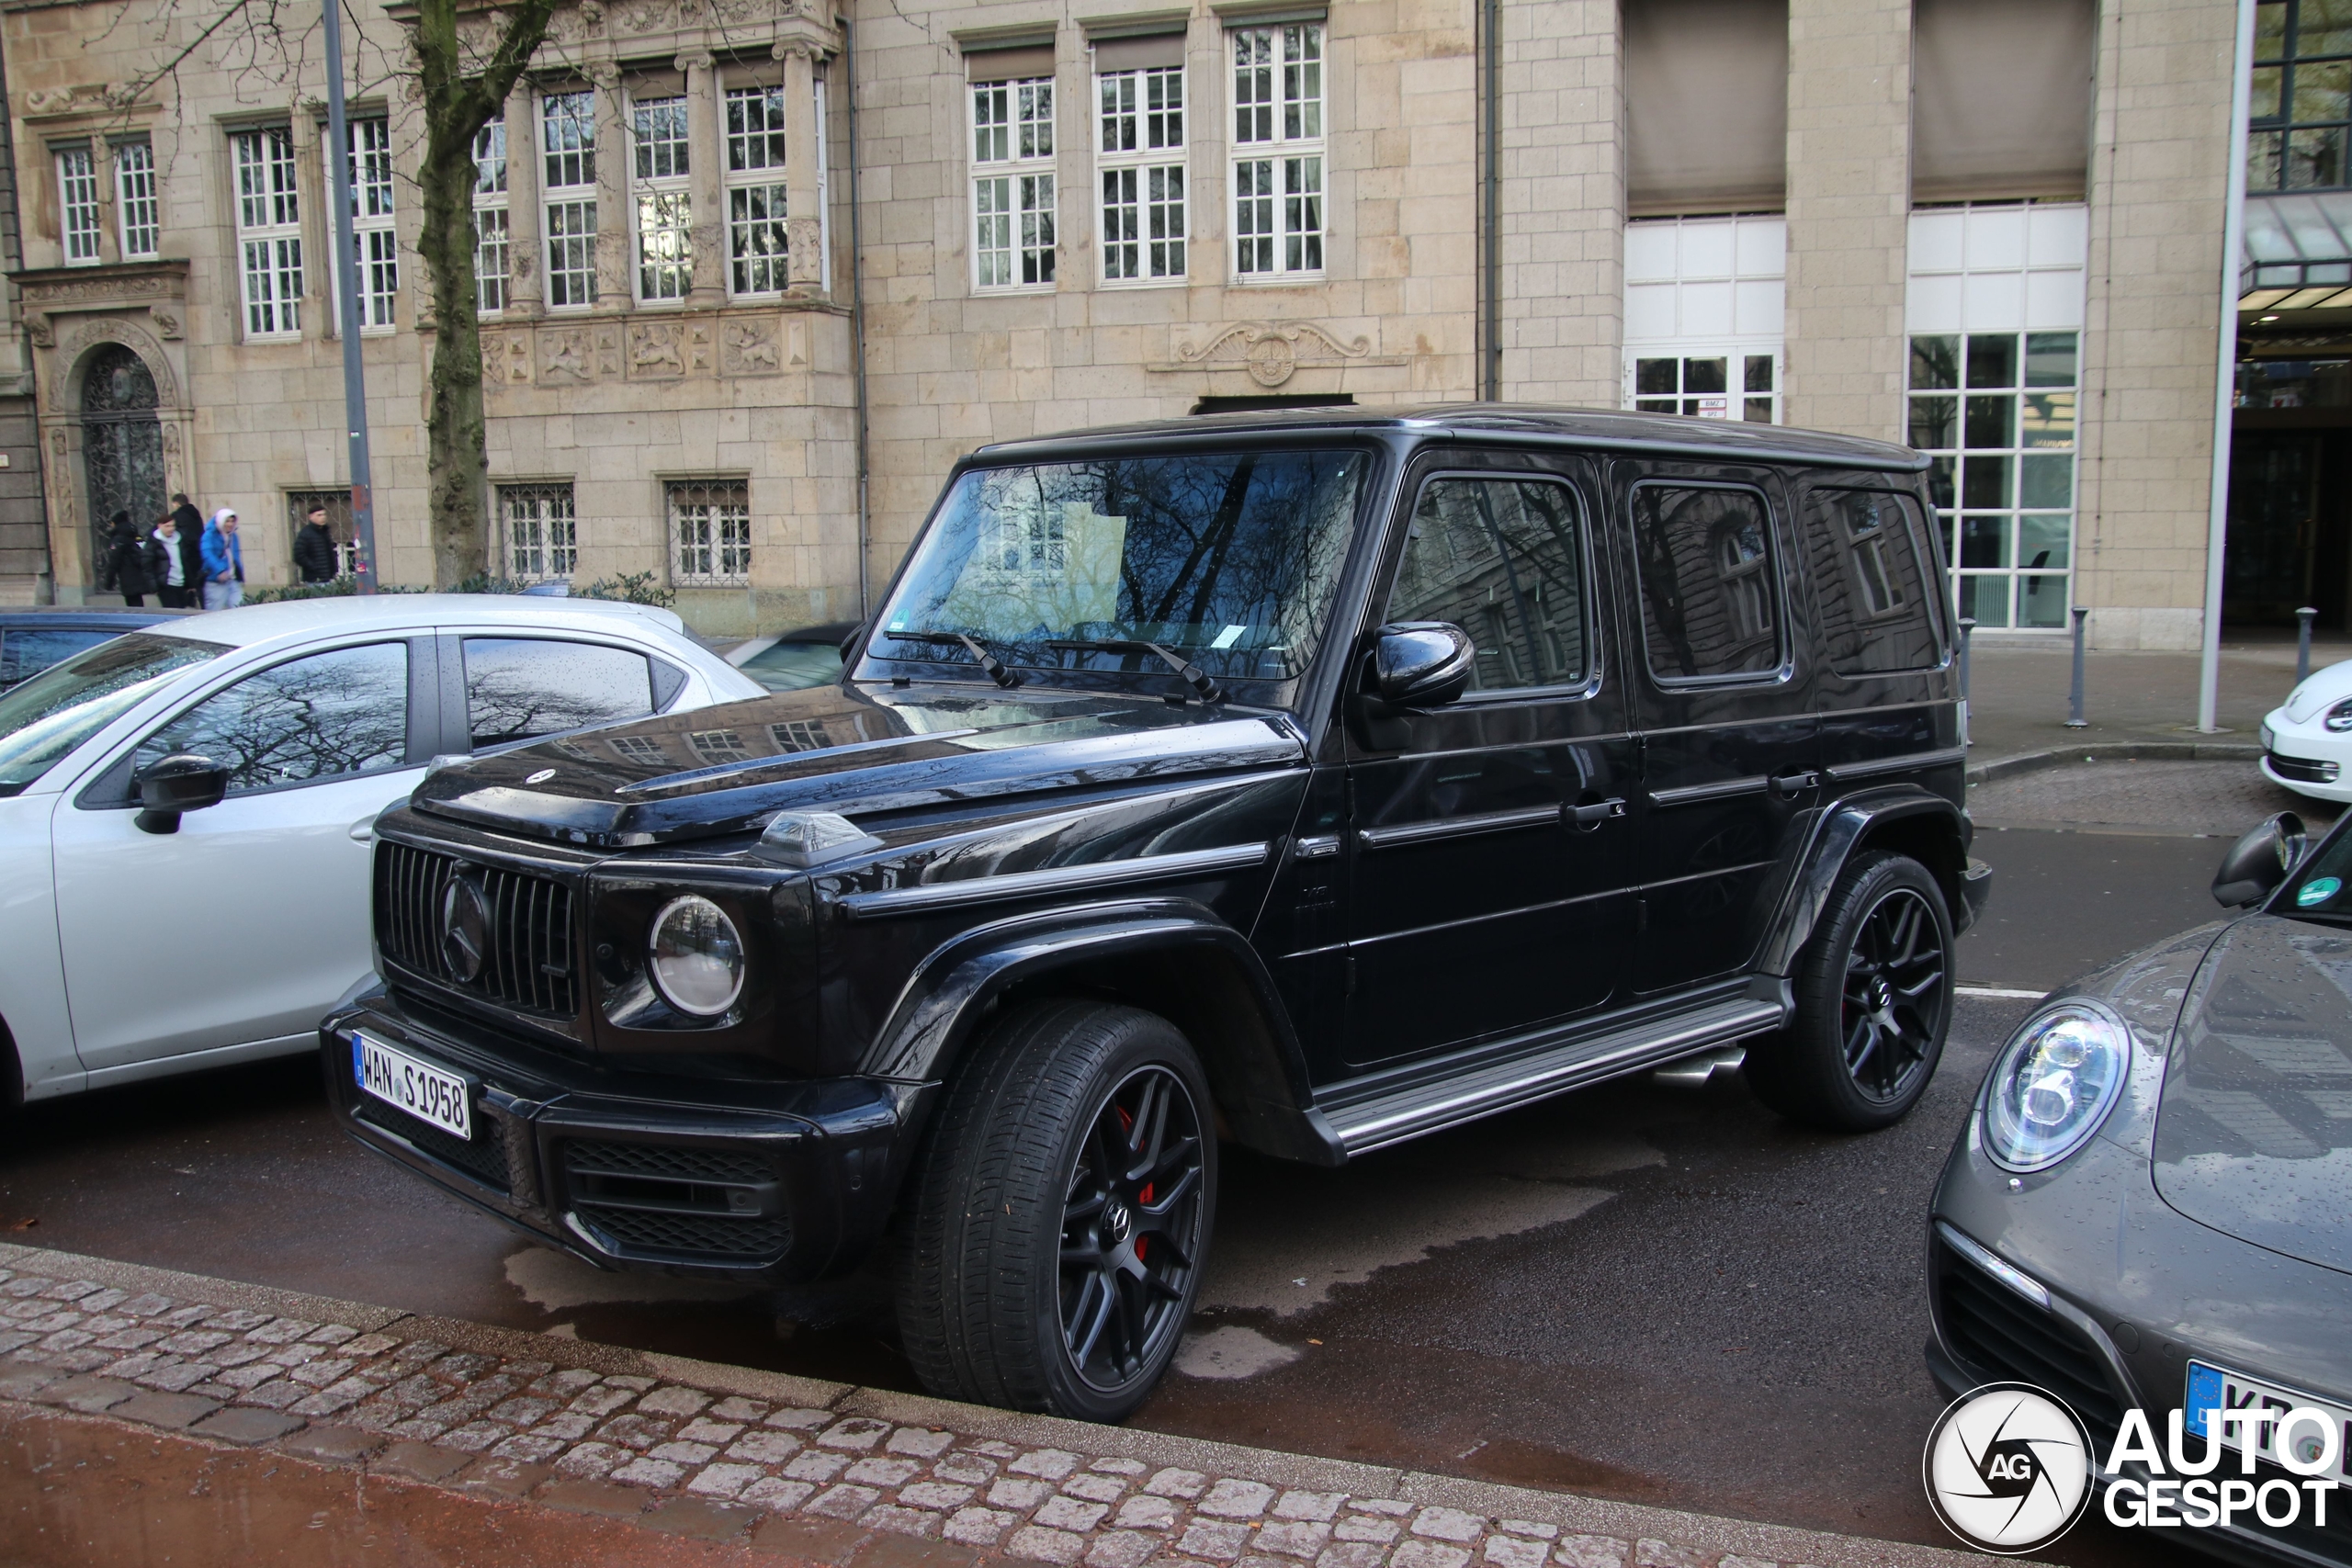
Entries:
{"x":225,"y":563}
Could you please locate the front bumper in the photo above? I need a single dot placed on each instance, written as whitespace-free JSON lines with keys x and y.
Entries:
{"x":2306,"y":759}
{"x":753,"y":1180}
{"x":2137,"y":1290}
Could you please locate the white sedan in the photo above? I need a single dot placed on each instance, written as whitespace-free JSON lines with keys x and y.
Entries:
{"x":185,"y":811}
{"x":2307,"y":741}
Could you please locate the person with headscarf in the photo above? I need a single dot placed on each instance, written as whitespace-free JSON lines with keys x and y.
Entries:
{"x":126,"y":562}
{"x":224,"y":562}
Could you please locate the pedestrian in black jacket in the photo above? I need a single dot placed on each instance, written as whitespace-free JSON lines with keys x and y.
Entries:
{"x":190,"y":524}
{"x":126,"y":563}
{"x":166,"y":573}
{"x":314,"y":549}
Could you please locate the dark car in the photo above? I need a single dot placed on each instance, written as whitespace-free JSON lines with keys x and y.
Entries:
{"x":1312,"y":782}
{"x":2151,"y":1206}
{"x":32,"y":640}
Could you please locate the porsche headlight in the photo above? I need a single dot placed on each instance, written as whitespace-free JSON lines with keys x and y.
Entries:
{"x":2339,"y":717}
{"x":695,"y":956}
{"x":2053,"y":1084}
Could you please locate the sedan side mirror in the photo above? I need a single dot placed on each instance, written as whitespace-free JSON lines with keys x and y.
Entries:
{"x":2259,"y":862}
{"x":1420,"y":663}
{"x":177,"y":784}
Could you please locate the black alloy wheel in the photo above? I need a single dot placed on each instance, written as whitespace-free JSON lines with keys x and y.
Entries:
{"x":1894,"y":994}
{"x":1131,"y":1228}
{"x":1874,"y":1000}
{"x":1051,"y":1240}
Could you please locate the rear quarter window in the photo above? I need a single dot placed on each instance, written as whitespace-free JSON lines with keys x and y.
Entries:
{"x":1872,"y":579}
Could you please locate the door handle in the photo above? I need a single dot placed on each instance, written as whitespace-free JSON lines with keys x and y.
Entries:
{"x":1795,"y":783}
{"x":1584,"y":818}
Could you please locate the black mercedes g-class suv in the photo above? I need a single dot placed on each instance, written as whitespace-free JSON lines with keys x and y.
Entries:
{"x":1311,"y":781}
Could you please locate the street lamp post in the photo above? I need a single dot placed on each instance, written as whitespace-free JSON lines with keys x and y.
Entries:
{"x":346,"y":274}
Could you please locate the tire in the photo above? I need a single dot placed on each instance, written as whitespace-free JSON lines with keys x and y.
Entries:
{"x":1874,"y":1000}
{"x":1026,"y":1282}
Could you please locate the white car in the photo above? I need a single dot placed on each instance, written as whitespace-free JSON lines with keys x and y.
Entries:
{"x":2307,"y":741}
{"x":157,"y":919}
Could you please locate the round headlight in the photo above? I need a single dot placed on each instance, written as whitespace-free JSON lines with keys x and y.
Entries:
{"x":695,"y":956}
{"x":2053,"y":1084}
{"x":2339,"y":717}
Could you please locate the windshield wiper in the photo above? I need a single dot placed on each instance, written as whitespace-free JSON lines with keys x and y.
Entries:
{"x":987,"y":660}
{"x":1195,"y":676}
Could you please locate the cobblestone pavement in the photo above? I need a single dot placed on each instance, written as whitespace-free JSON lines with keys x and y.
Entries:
{"x":530,"y":1426}
{"x":2219,"y":798}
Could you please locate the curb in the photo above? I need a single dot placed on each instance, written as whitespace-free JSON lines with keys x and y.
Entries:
{"x":2114,"y":752}
{"x":380,"y":1412}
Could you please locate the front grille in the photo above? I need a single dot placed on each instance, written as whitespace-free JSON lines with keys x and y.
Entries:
{"x":708,"y":1234}
{"x":529,"y":962}
{"x":483,"y":1157}
{"x":2003,"y":1338}
{"x":2301,"y":771}
{"x":666,"y":1160}
{"x":677,"y":1200}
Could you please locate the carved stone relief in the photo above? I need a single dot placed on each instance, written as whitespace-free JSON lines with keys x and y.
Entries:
{"x":748,"y":348}
{"x":655,"y":351}
{"x":72,"y":345}
{"x":1271,"y":352}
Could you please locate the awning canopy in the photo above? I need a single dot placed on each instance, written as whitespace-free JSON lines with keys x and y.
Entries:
{"x":2298,"y":252}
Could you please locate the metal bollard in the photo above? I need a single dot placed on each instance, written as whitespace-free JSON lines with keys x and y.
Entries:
{"x":2303,"y":643}
{"x":2074,"y":719}
{"x":1967,"y":628}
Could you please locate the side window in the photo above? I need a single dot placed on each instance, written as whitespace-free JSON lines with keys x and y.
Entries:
{"x":27,"y":653}
{"x":1871,"y":581}
{"x":323,"y":717}
{"x":521,"y":687}
{"x":1502,"y":558}
{"x":1709,"y":583}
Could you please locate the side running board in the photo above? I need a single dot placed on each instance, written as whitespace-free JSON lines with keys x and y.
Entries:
{"x":1418,"y":1109}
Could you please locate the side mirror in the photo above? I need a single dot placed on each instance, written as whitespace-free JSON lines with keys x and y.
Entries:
{"x":1420,"y":663}
{"x":2259,"y":862}
{"x":182,"y":783}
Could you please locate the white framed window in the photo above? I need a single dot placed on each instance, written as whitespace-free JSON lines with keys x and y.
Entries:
{"x":757,"y":247}
{"x":136,"y":212}
{"x":1277,"y":174}
{"x":1704,"y":303}
{"x":542,"y":533}
{"x":491,"y":267}
{"x":269,"y":231}
{"x":657,"y":179}
{"x":711,"y":533}
{"x":77,"y":203}
{"x":567,"y":143}
{"x":375,"y":246}
{"x":1013,"y":184}
{"x":1140,"y":158}
{"x":1996,"y":310}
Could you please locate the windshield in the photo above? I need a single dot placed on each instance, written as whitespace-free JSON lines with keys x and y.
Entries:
{"x":48,"y":716}
{"x":1230,"y":560}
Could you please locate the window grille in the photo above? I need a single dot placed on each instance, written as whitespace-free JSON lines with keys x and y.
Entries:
{"x":1278,"y":150}
{"x":642,"y":750}
{"x":756,"y":244}
{"x":542,"y":532}
{"x":799,"y":735}
{"x":1141,"y":153}
{"x":375,"y":246}
{"x":717,"y":745}
{"x":337,"y":503}
{"x":1013,"y":184}
{"x":568,"y":142}
{"x":658,"y":173}
{"x":2302,"y":97}
{"x":491,"y":229}
{"x":269,"y":231}
{"x":711,"y":533}
{"x":77,"y":195}
{"x":1997,"y":410}
{"x":136,"y":208}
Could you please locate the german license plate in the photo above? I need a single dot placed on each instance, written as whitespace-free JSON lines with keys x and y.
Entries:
{"x":424,"y":1092}
{"x":2213,"y":1389}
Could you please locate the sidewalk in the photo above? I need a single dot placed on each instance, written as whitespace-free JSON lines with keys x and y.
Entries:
{"x":2017,"y":693}
{"x":148,"y":1415}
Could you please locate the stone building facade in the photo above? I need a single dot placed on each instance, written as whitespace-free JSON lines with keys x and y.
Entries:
{"x":1056,"y":213}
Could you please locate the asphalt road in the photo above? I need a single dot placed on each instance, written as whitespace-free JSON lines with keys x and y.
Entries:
{"x":1659,"y":1294}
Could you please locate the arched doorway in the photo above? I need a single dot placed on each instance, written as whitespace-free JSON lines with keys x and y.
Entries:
{"x":122,"y":441}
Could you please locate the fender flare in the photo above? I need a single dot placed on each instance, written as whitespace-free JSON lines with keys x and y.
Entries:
{"x":1173,"y":955}
{"x":1841,"y":830}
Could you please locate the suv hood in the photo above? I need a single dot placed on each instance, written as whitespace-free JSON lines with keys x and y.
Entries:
{"x":2254,"y":1132}
{"x":729,"y":769}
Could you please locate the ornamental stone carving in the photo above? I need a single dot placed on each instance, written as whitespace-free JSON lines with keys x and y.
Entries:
{"x":564,"y":358}
{"x":1270,"y":352}
{"x":72,"y":345}
{"x":749,"y":348}
{"x":654,"y":351}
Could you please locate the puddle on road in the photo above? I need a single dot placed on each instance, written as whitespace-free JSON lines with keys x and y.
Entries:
{"x":1229,"y":1354}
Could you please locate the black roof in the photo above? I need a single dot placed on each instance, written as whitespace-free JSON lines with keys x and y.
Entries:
{"x":1516,"y":424}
